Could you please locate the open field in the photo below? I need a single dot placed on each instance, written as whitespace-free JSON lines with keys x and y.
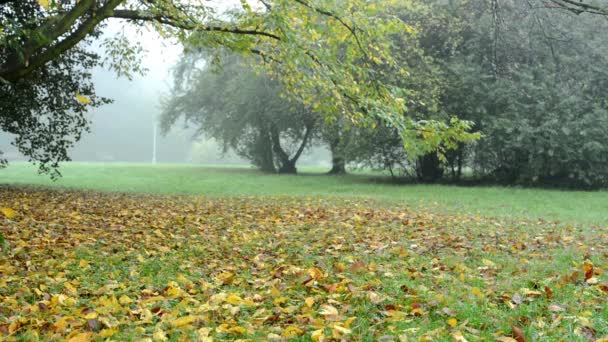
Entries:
{"x":301,"y":258}
{"x":91,"y":266}
{"x":551,"y":205}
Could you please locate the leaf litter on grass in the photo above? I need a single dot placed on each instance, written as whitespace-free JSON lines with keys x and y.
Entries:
{"x":89,"y":266}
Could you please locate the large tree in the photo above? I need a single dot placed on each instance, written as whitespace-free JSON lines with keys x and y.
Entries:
{"x":327,"y":53}
{"x":244,"y":111}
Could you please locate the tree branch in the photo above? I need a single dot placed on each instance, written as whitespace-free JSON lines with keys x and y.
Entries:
{"x":321,"y":11}
{"x":309,"y":128}
{"x":175,"y":22}
{"x":17,"y":69}
{"x":579,"y":7}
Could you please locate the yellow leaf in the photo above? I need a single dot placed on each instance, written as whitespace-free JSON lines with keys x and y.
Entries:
{"x":234,"y":299}
{"x":328,"y":310}
{"x":12,"y":328}
{"x":8,"y":212}
{"x":180,"y":322}
{"x":342,"y":330}
{"x":476,"y":291}
{"x":81,"y":337}
{"x":70,"y":288}
{"x":315,"y":273}
{"x":84,"y":264}
{"x":458,"y":337}
{"x":45,"y":3}
{"x":488,"y":263}
{"x":453,"y":322}
{"x":107,"y":332}
{"x":317,"y":335}
{"x":349,"y":321}
{"x":203,"y":333}
{"x":309,"y":302}
{"x":279,"y":300}
{"x":292,"y":331}
{"x":237,"y":330}
{"x":82,"y":99}
{"x":159,"y":335}
{"x":125,"y":300}
{"x":91,"y":315}
{"x":225,"y":278}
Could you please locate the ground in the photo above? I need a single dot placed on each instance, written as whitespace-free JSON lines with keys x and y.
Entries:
{"x":114,"y":266}
{"x":568,"y":207}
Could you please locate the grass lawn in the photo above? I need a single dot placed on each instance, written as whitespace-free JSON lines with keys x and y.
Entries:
{"x":511,"y":203}
{"x":300,"y":258}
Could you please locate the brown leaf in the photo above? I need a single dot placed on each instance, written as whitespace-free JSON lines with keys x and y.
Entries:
{"x":94,"y":324}
{"x":307,"y":280}
{"x":518,"y":334}
{"x":548,"y":293}
{"x":588,"y":269}
{"x":586,"y":332}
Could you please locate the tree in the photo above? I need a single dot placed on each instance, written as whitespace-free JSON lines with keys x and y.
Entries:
{"x":532,"y":81}
{"x":243,"y":111}
{"x":337,"y":136}
{"x":327,"y":53}
{"x":46,"y":111}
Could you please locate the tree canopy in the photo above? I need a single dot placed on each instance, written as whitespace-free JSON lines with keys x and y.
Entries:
{"x":329,"y":54}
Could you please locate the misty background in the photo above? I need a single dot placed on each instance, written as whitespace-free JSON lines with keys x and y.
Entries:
{"x":123,"y":131}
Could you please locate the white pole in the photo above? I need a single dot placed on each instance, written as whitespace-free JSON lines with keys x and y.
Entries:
{"x":154,"y":146}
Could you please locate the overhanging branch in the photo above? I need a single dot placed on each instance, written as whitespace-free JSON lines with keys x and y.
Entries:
{"x":181,"y":24}
{"x":579,"y":7}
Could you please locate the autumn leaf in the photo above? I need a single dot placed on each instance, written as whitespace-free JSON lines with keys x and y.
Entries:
{"x":588,"y":269}
{"x":80,"y":98}
{"x":328,"y":310}
{"x":45,"y":4}
{"x":518,"y":334}
{"x":256,"y":256}
{"x":309,"y":302}
{"x":8,"y":212}
{"x":452,"y":322}
{"x":292,"y":331}
{"x":548,"y":293}
{"x":182,"y":321}
{"x":80,"y":337}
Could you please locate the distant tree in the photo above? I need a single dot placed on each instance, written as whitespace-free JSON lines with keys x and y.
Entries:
{"x":533,"y":80}
{"x":378,"y":148}
{"x":243,"y":111}
{"x":336,"y":134}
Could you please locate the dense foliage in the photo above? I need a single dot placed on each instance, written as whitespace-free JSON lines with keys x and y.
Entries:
{"x":533,"y":82}
{"x":243,"y":111}
{"x":45,"y":111}
{"x":329,"y":55}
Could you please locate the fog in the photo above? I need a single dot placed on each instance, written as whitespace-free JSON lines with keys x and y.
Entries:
{"x":123,"y":131}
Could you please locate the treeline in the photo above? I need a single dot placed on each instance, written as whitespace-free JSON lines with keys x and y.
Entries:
{"x":532,"y":80}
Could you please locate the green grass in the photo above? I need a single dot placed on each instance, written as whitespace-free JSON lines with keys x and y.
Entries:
{"x":572,"y":207}
{"x":96,"y":266}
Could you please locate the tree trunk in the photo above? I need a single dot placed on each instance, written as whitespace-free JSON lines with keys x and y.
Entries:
{"x":285,"y":165}
{"x":266,"y":159}
{"x":337,"y":157}
{"x":429,"y":168}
